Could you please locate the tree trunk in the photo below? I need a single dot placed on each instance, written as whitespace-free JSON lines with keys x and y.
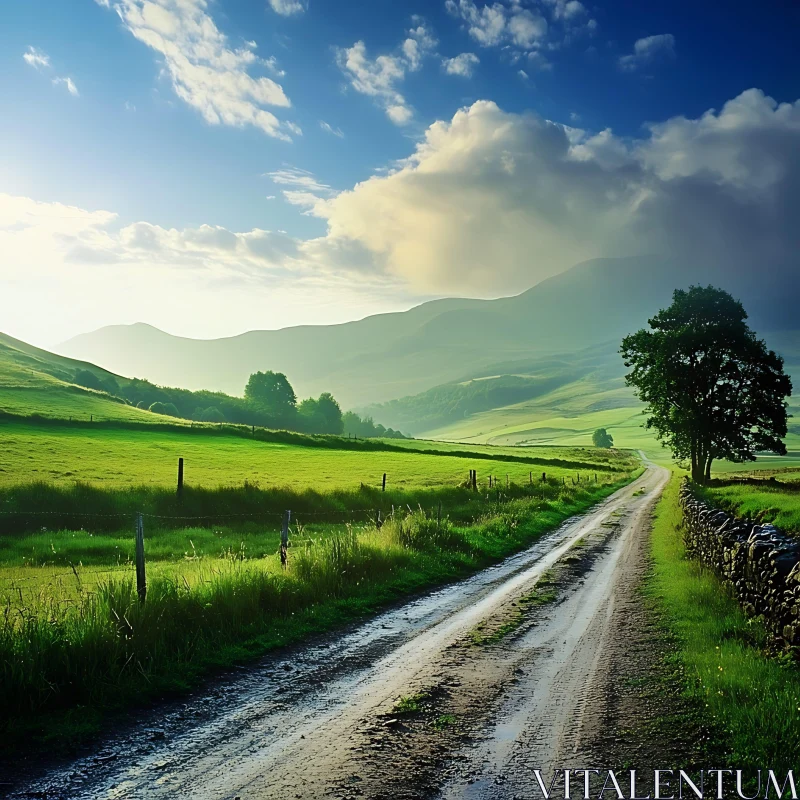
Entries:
{"x":708,"y":469}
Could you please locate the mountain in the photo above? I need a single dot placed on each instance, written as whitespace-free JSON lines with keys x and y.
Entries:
{"x":390,"y":356}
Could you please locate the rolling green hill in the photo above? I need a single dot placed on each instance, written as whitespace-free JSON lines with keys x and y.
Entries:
{"x":34,"y":381}
{"x":552,"y":400}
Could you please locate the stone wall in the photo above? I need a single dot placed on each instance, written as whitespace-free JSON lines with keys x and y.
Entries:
{"x":759,"y":562}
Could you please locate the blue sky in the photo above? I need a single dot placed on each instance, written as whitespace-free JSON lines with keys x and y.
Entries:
{"x":94,"y":116}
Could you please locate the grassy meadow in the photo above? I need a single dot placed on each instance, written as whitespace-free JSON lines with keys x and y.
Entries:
{"x":772,"y":496}
{"x":751,"y":699}
{"x":120,"y":457}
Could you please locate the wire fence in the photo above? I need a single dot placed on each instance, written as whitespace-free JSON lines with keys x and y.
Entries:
{"x":64,"y":578}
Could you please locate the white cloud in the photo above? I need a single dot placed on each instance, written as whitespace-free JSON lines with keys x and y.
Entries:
{"x":489,"y":202}
{"x":526,"y":28}
{"x":71,"y":87}
{"x":567,"y":9}
{"x":302,"y":188}
{"x":36,"y":58}
{"x":287,"y":8}
{"x":98,"y":272}
{"x":523,"y":74}
{"x":539,"y":61}
{"x":379,"y":77}
{"x":531,"y":197}
{"x":646,"y":50}
{"x":206,"y":72}
{"x":328,"y":128}
{"x":420,"y":43}
{"x":521,"y":29}
{"x":39,"y":60}
{"x":463,"y":64}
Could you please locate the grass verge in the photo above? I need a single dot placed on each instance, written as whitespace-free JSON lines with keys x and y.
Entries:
{"x":751,"y":699}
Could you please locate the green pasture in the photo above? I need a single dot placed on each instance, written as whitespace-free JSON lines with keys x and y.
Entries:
{"x":774,"y":502}
{"x":109,"y":457}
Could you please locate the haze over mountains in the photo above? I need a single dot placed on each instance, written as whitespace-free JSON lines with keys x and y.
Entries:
{"x":578,"y":316}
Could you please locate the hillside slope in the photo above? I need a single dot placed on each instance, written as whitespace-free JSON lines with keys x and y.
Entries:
{"x":35,"y":381}
{"x":392,"y":355}
{"x":388,"y":356}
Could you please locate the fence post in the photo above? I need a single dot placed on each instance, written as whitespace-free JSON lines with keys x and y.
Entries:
{"x":287,"y":518}
{"x":475,"y":480}
{"x":180,"y":476}
{"x":383,"y":485}
{"x":141,"y":581}
{"x":439,"y":515}
{"x":507,"y":481}
{"x":378,"y":520}
{"x":544,"y":477}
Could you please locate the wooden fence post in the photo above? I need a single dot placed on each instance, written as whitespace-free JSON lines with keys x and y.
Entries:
{"x":180,"y":476}
{"x":287,"y":518}
{"x":439,"y":515}
{"x":544,"y":477}
{"x":530,"y":477}
{"x":141,"y":581}
{"x":383,"y":486}
{"x":507,"y":481}
{"x":475,"y":480}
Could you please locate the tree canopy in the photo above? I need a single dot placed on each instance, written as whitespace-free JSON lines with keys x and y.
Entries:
{"x":713,"y":390}
{"x":272,"y":392}
{"x":602,"y":438}
{"x":322,"y":415}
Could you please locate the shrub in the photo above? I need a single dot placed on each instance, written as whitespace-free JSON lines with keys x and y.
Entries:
{"x":212,"y":414}
{"x":168,"y":409}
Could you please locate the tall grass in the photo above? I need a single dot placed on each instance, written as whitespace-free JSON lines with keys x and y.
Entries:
{"x":83,"y":506}
{"x":753,"y":699}
{"x":104,"y":649}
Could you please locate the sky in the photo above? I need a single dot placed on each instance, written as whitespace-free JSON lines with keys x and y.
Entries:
{"x":216,"y":166}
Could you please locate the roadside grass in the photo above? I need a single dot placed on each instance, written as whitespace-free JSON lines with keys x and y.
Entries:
{"x":44,"y":507}
{"x":69,"y":660}
{"x":776,"y":502}
{"x":752,"y":699}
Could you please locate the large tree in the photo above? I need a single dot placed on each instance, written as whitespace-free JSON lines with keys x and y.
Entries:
{"x":712,"y":389}
{"x":272,"y":393}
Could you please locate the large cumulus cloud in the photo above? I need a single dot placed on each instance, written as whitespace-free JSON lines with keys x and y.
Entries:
{"x":494,"y":200}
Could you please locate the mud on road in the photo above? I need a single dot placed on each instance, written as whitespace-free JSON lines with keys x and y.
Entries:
{"x":460,"y":693}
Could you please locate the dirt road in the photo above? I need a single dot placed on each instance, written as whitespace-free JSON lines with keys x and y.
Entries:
{"x":499,"y":671}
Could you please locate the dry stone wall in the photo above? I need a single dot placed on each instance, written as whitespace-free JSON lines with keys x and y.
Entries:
{"x":759,"y":562}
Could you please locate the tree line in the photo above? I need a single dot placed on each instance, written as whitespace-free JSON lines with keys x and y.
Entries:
{"x":269,"y":401}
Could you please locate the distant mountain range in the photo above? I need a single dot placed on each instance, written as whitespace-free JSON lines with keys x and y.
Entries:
{"x":389,"y":356}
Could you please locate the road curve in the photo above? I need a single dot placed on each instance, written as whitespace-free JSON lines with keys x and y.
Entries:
{"x":294,"y":725}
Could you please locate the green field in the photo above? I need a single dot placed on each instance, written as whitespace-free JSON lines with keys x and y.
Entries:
{"x":776,"y":502}
{"x":114,"y":457}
